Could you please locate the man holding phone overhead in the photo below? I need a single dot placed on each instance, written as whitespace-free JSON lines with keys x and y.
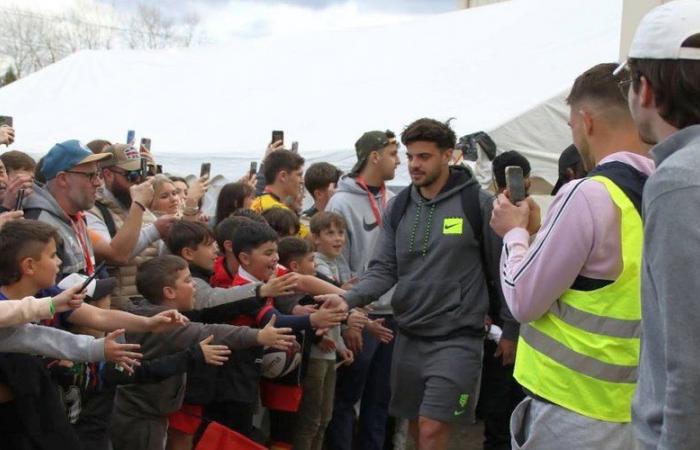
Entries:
{"x":576,"y":288}
{"x":122,"y":222}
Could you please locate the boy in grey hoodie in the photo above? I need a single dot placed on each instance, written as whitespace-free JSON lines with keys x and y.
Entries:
{"x":441,"y":296}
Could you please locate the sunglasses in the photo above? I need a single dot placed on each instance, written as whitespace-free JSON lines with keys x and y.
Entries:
{"x":133,"y":176}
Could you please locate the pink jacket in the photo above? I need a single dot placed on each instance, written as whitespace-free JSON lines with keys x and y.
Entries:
{"x":580,"y":235}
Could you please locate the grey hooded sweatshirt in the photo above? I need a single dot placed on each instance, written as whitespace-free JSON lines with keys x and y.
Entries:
{"x":42,"y":206}
{"x":434,"y":259}
{"x":351,"y":202}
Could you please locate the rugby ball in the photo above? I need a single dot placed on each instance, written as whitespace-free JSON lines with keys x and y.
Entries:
{"x":278,"y":363}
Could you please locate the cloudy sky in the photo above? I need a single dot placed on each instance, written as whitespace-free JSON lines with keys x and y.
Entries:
{"x":222,"y":20}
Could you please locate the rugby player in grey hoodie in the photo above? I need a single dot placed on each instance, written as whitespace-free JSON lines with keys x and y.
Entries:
{"x":361,"y":198}
{"x":441,"y":297}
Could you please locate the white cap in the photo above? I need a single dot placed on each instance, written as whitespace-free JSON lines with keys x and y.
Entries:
{"x":661,"y":33}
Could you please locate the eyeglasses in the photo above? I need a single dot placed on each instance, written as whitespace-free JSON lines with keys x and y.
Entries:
{"x":91,"y":176}
{"x":133,"y":176}
{"x":624,"y":86}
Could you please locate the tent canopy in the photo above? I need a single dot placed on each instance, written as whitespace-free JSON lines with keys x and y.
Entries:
{"x":500,"y":68}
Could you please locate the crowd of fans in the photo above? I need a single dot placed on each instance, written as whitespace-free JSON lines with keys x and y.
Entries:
{"x":131,"y":320}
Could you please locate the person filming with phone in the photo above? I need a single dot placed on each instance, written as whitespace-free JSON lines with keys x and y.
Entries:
{"x":7,"y":133}
{"x":576,"y":287}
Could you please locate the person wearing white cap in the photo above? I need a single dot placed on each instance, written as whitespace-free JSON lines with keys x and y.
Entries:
{"x":664,"y":99}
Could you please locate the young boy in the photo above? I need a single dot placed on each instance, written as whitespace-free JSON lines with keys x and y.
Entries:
{"x":195,"y":243}
{"x":320,"y":181}
{"x":316,"y":410}
{"x":140,"y":413}
{"x":33,"y":270}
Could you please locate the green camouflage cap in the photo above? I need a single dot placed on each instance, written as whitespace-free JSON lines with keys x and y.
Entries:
{"x":369,"y":142}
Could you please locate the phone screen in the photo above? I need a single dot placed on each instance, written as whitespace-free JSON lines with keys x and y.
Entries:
{"x":130,"y":136}
{"x":205,"y":170}
{"x":515,"y":183}
{"x":295,"y":147}
{"x":146,"y":142}
{"x":253,"y":167}
{"x":277,"y":135}
{"x":6,"y":120}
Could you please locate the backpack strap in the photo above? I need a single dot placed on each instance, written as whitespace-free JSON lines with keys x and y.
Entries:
{"x":472,"y":210}
{"x":471,"y":206}
{"x":107,"y":217}
{"x":400,"y":206}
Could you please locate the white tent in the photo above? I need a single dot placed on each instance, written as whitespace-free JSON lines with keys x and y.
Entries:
{"x":500,"y":68}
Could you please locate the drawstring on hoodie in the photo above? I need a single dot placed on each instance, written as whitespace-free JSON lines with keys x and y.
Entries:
{"x":428,"y":228}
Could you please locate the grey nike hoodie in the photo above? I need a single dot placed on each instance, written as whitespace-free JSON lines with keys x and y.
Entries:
{"x":352,"y":202}
{"x":434,"y":259}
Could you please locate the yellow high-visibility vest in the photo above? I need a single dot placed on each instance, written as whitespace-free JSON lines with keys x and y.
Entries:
{"x":583,"y":353}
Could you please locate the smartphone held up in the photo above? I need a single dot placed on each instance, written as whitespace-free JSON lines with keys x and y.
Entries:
{"x":515,"y":182}
{"x":205,"y":170}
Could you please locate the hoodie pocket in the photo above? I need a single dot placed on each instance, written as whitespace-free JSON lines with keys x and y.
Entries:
{"x":428,"y":309}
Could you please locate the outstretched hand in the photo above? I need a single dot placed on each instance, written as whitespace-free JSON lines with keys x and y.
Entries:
{"x":332,"y":300}
{"x":280,"y":338}
{"x":71,"y":298}
{"x":280,"y":286}
{"x":166,"y":320}
{"x":124,"y":355}
{"x":214,"y":355}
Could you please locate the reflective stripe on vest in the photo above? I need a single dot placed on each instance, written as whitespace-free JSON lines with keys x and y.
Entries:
{"x":583,"y":353}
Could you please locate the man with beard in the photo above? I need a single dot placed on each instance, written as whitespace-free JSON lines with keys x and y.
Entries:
{"x":72,"y":179}
{"x":429,"y":250}
{"x":576,"y":287}
{"x":121,"y":221}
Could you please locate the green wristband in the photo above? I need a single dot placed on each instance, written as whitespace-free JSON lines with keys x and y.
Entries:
{"x":52,"y":308}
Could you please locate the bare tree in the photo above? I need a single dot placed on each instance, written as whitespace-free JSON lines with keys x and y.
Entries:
{"x":33,"y":41}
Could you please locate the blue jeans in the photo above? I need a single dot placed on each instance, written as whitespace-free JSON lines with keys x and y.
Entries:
{"x":367,"y":379}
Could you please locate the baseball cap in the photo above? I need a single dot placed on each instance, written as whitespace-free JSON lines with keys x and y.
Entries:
{"x":66,"y":155}
{"x":568,"y":158}
{"x":125,"y":156}
{"x":369,"y":142}
{"x":661,"y":33}
{"x":96,"y":290}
